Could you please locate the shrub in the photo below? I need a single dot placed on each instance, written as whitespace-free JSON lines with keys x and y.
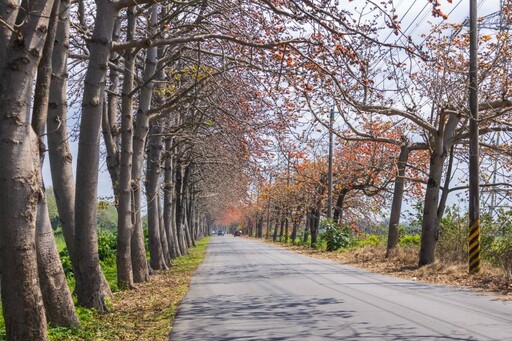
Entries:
{"x":453,"y":236}
{"x":107,"y":244}
{"x":368,"y":240}
{"x":335,"y":237}
{"x":410,"y":240}
{"x":66,"y":263}
{"x":500,"y":254}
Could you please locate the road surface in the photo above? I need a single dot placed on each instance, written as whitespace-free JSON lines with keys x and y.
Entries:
{"x":248,"y":290}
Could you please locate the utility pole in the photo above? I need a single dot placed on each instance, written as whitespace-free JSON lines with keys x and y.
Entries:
{"x":268,"y":210}
{"x":474,"y":157}
{"x":329,"y":175}
{"x":288,"y":211}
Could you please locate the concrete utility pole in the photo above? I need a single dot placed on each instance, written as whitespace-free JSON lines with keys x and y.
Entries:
{"x":474,"y":152}
{"x":329,"y":175}
{"x":268,"y":210}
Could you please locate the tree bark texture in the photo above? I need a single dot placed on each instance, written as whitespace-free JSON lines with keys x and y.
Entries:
{"x":164,"y":240}
{"x":8,"y":13}
{"x":124,"y":208}
{"x":276,"y":229}
{"x":184,"y":205}
{"x":180,"y":210}
{"x":314,"y":226}
{"x":110,"y":114}
{"x":139,"y":263}
{"x":20,"y":177}
{"x":90,"y":292}
{"x":430,"y":224}
{"x":398,"y":194}
{"x":295,"y":227}
{"x":260,"y":226}
{"x":58,"y":303}
{"x":281,"y":228}
{"x":59,"y":307}
{"x":169,"y":203}
{"x":157,"y":260}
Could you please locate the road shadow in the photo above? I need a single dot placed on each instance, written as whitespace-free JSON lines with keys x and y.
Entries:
{"x":255,"y":294}
{"x":278,"y":317}
{"x":251,"y":317}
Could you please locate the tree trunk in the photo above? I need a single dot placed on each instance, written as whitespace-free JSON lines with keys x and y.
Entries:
{"x":20,"y":176}
{"x":179,"y":211}
{"x":430,"y":224}
{"x":267,"y":232}
{"x":186,"y":228}
{"x":281,"y":228}
{"x":314,"y":225}
{"x":110,"y":113}
{"x":338,"y":210}
{"x":124,"y":209}
{"x":156,"y":255}
{"x":57,"y":138}
{"x":164,"y":240}
{"x":58,"y":302}
{"x":8,"y":13}
{"x":306,"y":227}
{"x":287,"y":229}
{"x":260,"y":226}
{"x":398,"y":194}
{"x":89,"y":292}
{"x":22,"y":301}
{"x":295,"y":228}
{"x":446,"y":189}
{"x":140,"y":267}
{"x":169,"y":206}
{"x":276,"y":228}
{"x":185,"y":207}
{"x":138,"y":249}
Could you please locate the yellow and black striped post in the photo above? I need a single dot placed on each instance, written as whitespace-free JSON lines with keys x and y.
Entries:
{"x":474,"y":144}
{"x":474,"y":247}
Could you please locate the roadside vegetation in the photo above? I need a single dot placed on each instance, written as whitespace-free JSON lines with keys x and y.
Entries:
{"x":142,"y":314}
{"x":348,"y":245}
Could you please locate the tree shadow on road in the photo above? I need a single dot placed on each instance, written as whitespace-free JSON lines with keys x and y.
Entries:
{"x":247,"y":317}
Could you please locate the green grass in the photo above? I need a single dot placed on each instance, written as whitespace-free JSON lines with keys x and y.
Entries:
{"x":195,"y":257}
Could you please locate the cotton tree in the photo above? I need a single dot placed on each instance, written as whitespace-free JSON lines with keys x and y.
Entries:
{"x":439,"y":118}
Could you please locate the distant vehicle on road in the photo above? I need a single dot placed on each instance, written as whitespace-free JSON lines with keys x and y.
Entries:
{"x":237,"y":233}
{"x":220,"y":233}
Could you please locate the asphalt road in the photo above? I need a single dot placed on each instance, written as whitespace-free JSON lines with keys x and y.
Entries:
{"x":247,"y":290}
